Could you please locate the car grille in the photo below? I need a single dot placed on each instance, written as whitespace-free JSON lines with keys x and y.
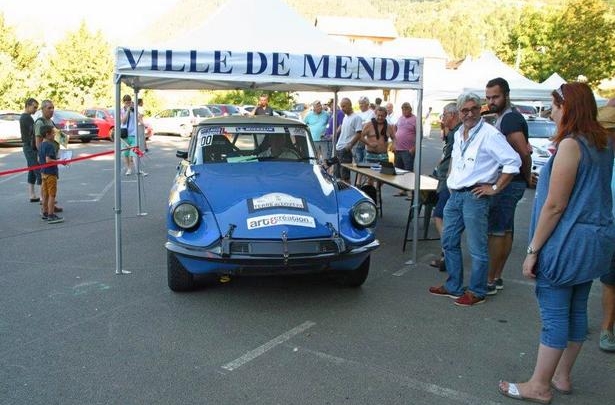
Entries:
{"x":278,"y":248}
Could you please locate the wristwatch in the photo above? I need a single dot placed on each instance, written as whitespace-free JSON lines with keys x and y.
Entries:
{"x":494,"y":187}
{"x":531,"y":250}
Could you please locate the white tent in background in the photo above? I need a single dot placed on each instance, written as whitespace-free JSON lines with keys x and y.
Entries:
{"x":473,"y":75}
{"x":554,"y":81}
{"x":268,"y":47}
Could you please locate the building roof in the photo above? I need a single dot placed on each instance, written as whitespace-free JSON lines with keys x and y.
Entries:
{"x":357,"y":27}
{"x":425,"y":47}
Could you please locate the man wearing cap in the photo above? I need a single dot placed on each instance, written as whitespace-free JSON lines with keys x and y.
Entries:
{"x":317,"y":120}
{"x":606,"y":116}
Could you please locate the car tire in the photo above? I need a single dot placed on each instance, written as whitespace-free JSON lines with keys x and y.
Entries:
{"x":86,"y":140}
{"x":179,"y":279}
{"x":111,"y":132}
{"x":356,"y":277}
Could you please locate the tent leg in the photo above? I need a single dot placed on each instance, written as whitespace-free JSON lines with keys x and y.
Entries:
{"x":118,"y":183}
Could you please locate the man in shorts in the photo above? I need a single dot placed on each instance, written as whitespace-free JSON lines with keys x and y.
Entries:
{"x":503,"y":205}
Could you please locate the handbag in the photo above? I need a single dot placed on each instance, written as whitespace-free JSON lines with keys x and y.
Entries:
{"x":124,"y":131}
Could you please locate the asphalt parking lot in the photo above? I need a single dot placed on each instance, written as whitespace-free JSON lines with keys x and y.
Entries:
{"x":74,"y":332}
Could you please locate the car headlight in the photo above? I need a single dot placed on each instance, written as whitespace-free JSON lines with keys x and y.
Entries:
{"x":364,"y":214}
{"x":186,"y":215}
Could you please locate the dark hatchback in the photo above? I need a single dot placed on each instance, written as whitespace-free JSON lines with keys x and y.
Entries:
{"x":77,"y":126}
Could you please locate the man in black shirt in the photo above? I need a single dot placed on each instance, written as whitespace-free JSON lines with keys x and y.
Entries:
{"x":26,"y":127}
{"x":503,"y":205}
{"x":263,"y":106}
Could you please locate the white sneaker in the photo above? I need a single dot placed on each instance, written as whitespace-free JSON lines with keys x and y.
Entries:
{"x":142,"y":173}
{"x":128,"y":172}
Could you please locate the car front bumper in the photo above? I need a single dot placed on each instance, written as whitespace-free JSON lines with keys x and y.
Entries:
{"x":271,"y":257}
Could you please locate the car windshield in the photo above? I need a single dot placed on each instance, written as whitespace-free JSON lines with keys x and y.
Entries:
{"x":236,"y":144}
{"x":541,"y":129}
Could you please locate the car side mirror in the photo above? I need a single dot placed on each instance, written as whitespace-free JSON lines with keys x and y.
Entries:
{"x":182,"y":154}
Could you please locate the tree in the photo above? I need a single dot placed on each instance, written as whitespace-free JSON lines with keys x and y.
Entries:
{"x":277,"y":99}
{"x":19,"y":75}
{"x":573,"y":40}
{"x":80,"y":71}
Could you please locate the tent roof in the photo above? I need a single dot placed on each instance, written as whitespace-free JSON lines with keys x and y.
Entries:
{"x":554,"y":81}
{"x":263,"y":45}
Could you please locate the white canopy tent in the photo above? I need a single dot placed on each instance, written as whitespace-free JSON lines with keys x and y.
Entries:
{"x":278,"y":51}
{"x":473,"y":74}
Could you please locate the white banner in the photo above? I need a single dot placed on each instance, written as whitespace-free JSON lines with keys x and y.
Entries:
{"x":222,"y":65}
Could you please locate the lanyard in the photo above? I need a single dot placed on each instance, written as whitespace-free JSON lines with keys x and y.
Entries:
{"x":464,"y":145}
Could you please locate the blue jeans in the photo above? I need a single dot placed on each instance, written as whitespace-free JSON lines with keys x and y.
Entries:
{"x":563,"y":311}
{"x":34,"y":176}
{"x":404,"y":160}
{"x":344,"y":156}
{"x":464,"y":211}
{"x":359,"y":152}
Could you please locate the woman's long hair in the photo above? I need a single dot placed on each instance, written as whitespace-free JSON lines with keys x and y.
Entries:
{"x":579,"y":114}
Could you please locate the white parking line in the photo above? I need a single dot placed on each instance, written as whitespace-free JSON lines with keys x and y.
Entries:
{"x":252,"y":354}
{"x":403,"y":380}
{"x":11,"y":177}
{"x":98,"y":196}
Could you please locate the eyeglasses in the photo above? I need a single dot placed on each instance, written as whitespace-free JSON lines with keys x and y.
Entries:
{"x":473,"y":110}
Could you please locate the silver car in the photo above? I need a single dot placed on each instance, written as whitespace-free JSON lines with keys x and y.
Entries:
{"x":179,"y":120}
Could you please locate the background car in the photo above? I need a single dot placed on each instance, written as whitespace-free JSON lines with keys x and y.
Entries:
{"x":179,"y":120}
{"x":540,"y":130}
{"x":10,"y":134}
{"x":76,"y":125}
{"x":220,"y":110}
{"x":105,"y":120}
{"x":250,"y":199}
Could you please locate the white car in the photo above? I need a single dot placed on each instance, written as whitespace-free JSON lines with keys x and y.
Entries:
{"x":540,"y":131}
{"x":179,"y":120}
{"x":10,"y":133}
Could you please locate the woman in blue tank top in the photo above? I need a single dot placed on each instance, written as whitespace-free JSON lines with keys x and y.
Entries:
{"x":572,"y":238}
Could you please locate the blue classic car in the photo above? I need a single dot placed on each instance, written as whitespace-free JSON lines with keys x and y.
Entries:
{"x":250,"y":198}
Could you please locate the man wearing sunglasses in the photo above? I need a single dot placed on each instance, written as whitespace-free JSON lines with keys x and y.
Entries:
{"x":482,"y":164}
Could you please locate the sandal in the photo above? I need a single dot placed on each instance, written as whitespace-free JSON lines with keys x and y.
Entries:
{"x":514,"y":393}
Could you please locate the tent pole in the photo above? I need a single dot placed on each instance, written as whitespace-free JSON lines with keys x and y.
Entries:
{"x":137,"y":158}
{"x":118,"y":179}
{"x":335,"y":124}
{"x":416,"y":199}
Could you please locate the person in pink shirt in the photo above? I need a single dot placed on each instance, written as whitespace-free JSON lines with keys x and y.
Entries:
{"x":405,"y":138}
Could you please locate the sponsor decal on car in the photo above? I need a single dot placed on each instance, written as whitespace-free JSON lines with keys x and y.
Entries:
{"x":276,"y":200}
{"x":256,"y":130}
{"x":280,"y":219}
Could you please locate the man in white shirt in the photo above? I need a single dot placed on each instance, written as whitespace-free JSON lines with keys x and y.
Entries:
{"x":479,"y":152}
{"x":349,"y":135}
{"x":391,"y":116}
{"x":366,"y":115}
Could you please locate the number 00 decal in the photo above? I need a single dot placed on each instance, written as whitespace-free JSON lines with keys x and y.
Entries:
{"x":207,"y":140}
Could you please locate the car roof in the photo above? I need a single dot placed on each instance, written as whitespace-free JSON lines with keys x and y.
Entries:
{"x":251,"y":120}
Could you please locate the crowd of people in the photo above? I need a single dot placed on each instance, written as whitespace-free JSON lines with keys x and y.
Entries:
{"x":482,"y":175}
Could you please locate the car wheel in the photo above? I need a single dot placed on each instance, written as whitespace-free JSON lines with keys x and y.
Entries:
{"x":111,"y":132}
{"x":86,"y":140}
{"x":356,"y":277}
{"x":178,"y":278}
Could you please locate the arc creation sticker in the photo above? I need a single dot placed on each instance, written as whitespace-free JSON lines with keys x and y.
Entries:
{"x":280,"y":219}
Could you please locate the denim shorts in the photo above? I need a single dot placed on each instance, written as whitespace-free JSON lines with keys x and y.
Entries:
{"x":443,"y":196}
{"x":563,"y":311}
{"x":502,"y":208}
{"x":609,"y":278}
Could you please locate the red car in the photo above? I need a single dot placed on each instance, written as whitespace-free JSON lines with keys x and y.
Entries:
{"x":105,"y":120}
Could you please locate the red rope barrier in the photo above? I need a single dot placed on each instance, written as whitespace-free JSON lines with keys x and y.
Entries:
{"x":135,"y":149}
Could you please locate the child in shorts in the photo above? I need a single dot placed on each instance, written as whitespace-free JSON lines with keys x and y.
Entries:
{"x":49,"y":187}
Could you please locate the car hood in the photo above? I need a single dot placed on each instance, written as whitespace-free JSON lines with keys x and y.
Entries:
{"x":264,"y":200}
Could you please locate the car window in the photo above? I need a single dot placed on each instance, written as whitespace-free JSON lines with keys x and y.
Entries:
{"x":231,"y":109}
{"x":89,"y":113}
{"x":541,"y":129}
{"x":236,"y":144}
{"x":202,"y":112}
